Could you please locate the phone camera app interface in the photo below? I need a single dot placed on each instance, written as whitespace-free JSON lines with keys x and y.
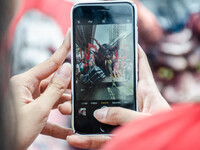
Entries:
{"x":104,"y":61}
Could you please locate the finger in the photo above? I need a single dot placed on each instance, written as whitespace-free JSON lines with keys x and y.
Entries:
{"x":56,"y":87}
{"x":87,"y":142}
{"x":56,"y":131}
{"x":44,"y":83}
{"x":146,"y":79}
{"x":65,"y":108}
{"x":64,"y":98}
{"x":144,"y":68}
{"x":147,"y":87}
{"x":49,"y":66}
{"x":116,"y":115}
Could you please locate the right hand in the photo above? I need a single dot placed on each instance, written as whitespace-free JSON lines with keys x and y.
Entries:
{"x":149,"y":99}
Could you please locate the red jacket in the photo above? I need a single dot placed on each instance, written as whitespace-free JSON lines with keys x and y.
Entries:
{"x":174,"y":130}
{"x":57,"y":9}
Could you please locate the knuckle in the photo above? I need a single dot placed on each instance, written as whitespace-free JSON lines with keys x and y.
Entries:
{"x":55,"y":62}
{"x":97,"y":143}
{"x":112,"y":114}
{"x":15,"y":80}
{"x":94,"y":144}
{"x":88,"y":144}
{"x":58,"y":85}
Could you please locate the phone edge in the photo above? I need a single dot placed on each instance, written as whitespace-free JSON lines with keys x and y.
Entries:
{"x":72,"y":58}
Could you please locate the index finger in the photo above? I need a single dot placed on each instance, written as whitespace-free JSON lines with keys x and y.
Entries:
{"x":49,"y":66}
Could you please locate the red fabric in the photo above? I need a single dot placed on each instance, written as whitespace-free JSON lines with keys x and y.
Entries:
{"x":91,"y":45}
{"x":175,"y":130}
{"x":87,"y":56}
{"x":85,"y":65}
{"x":57,"y":9}
{"x":81,"y":53}
{"x":116,"y":54}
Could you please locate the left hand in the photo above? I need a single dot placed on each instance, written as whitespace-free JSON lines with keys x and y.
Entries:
{"x":37,"y":92}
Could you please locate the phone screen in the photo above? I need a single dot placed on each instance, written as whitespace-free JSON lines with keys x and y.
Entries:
{"x":104,"y":72}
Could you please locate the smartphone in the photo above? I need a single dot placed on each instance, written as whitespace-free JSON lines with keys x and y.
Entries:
{"x":104,"y":60}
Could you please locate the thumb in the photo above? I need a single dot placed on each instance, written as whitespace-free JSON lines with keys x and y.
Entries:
{"x":56,"y":87}
{"x":116,"y":115}
{"x":144,"y":68}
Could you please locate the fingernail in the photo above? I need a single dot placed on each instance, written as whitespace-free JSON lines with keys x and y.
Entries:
{"x":64,"y":71}
{"x":100,"y":114}
{"x":68,"y":137}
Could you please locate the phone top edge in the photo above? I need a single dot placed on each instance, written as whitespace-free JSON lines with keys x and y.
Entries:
{"x":77,"y":4}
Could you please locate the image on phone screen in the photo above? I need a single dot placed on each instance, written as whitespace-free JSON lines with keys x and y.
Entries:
{"x":104,"y":62}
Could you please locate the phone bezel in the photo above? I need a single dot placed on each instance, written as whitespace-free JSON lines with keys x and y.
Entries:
{"x":135,"y":40}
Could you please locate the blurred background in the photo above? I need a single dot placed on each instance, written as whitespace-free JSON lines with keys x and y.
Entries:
{"x":169,"y":32}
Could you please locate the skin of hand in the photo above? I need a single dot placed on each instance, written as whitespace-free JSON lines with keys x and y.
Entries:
{"x":37,"y":92}
{"x":149,"y":99}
